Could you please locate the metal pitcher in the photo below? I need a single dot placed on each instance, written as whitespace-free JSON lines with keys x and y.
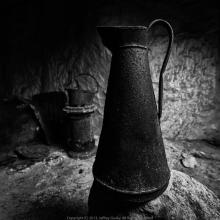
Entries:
{"x":131,"y":162}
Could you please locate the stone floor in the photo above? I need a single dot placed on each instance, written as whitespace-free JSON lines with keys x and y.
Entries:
{"x":198,"y":159}
{"x":50,"y":185}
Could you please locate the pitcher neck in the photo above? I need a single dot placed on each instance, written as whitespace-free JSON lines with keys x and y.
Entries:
{"x":123,"y":36}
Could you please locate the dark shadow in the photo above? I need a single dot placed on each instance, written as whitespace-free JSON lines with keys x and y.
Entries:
{"x":52,"y":212}
{"x":18,"y":124}
{"x":50,"y":107}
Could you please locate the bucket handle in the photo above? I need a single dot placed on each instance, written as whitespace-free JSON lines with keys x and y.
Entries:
{"x":87,"y":74}
{"x":170,"y":34}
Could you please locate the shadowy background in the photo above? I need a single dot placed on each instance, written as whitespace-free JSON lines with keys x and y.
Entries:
{"x":46,"y":44}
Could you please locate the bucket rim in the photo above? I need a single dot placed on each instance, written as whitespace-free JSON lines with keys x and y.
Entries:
{"x":79,"y":90}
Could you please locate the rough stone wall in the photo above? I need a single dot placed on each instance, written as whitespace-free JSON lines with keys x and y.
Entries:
{"x":190,"y":109}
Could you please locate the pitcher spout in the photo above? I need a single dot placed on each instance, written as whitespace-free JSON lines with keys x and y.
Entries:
{"x":119,"y":36}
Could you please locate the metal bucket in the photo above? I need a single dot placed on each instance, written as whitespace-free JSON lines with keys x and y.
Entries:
{"x":80,"y":97}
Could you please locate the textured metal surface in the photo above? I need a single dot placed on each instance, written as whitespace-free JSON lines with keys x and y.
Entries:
{"x":80,"y":97}
{"x":131,"y":158}
{"x":79,"y":131}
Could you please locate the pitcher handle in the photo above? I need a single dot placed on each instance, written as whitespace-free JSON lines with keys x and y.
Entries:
{"x":170,"y":34}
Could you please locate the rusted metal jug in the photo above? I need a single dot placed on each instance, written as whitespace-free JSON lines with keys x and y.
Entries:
{"x":131,"y":161}
{"x":78,"y":120}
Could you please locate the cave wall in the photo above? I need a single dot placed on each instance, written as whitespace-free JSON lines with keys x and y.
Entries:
{"x":47,"y":45}
{"x":191,"y":105}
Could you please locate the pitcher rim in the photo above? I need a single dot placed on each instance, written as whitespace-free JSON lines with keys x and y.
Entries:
{"x":123,"y":27}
